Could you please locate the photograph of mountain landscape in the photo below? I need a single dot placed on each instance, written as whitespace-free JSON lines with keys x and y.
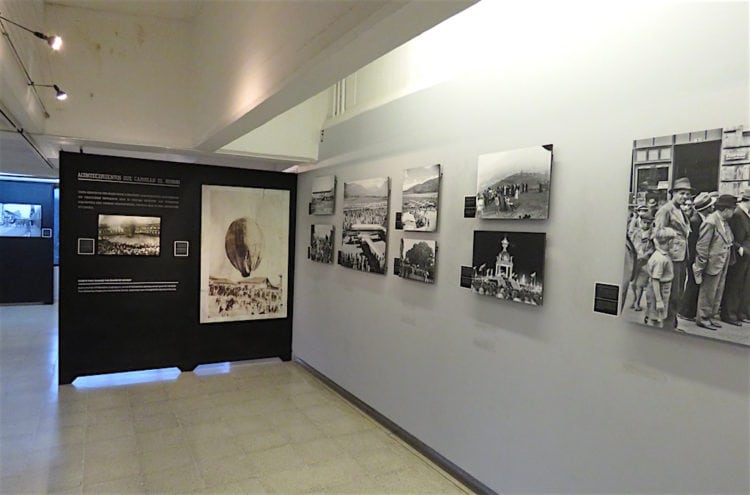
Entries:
{"x":514,"y":184}
{"x":365,"y":231}
{"x":420,"y":198}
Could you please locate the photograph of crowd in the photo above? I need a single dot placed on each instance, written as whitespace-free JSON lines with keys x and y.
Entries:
{"x":20,"y":220}
{"x":126,"y":235}
{"x":509,"y":265}
{"x":687,"y":261}
{"x":321,"y":243}
{"x":365,"y":229}
{"x":420,"y":198}
{"x":418,"y":260}
{"x":514,"y":184}
{"x":244,"y":253}
{"x":323,"y":195}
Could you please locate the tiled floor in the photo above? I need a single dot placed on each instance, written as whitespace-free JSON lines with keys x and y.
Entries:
{"x":248,"y":428}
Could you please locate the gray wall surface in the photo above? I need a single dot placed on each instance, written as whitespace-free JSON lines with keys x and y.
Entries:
{"x":554,"y":398}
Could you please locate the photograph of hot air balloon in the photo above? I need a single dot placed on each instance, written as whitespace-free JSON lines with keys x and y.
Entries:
{"x":244,"y":253}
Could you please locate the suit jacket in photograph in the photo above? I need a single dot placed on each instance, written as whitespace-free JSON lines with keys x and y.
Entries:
{"x":670,"y":215}
{"x":740,"y":225}
{"x":695,"y":224}
{"x":713,"y":247}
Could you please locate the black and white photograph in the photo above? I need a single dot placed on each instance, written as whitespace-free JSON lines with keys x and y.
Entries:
{"x":509,"y":265}
{"x":321,"y":243}
{"x":128,"y":235}
{"x":365,"y":229}
{"x":323,"y":195}
{"x":687,"y":237}
{"x":420,"y":198}
{"x":244,"y":253}
{"x":20,"y":220}
{"x":514,"y":184}
{"x":418,"y":260}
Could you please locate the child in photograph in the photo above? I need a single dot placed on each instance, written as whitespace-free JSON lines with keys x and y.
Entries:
{"x":661,"y":273}
{"x":644,"y":248}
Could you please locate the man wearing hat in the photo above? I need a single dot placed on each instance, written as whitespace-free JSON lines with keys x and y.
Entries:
{"x":713,"y":252}
{"x":736,"y":302}
{"x":703,"y":204}
{"x":670,"y":215}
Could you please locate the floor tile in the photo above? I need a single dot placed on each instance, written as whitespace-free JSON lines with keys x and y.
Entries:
{"x":183,"y":479}
{"x":267,"y":427}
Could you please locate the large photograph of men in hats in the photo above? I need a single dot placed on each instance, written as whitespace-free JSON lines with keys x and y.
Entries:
{"x":365,"y":232}
{"x":687,"y":265}
{"x":244,"y":253}
{"x":514,"y":184}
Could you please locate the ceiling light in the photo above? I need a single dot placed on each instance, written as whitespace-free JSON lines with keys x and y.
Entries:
{"x":54,"y":41}
{"x":59,"y":93}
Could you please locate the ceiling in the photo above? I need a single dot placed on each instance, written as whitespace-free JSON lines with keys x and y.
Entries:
{"x":314,"y":45}
{"x":183,"y":10}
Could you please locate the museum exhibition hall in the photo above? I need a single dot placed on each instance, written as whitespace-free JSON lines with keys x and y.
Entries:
{"x":390,"y":247}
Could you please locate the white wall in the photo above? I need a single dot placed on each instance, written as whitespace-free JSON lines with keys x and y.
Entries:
{"x":295,"y":134}
{"x":557,"y":398}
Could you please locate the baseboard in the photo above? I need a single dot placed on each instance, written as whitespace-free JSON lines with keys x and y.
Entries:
{"x":459,"y":474}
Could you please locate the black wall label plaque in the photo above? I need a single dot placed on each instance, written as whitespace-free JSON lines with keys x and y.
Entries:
{"x":467,"y":274}
{"x":470,"y":206}
{"x":399,"y":223}
{"x":606,"y":298}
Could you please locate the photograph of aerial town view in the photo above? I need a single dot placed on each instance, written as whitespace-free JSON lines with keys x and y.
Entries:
{"x":509,"y":265}
{"x":127,"y":235}
{"x":420,"y":198}
{"x":323,"y":195}
{"x":20,"y":220}
{"x":365,"y":229}
{"x":514,"y":184}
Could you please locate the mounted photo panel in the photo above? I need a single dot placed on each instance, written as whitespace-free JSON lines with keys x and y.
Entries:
{"x":365,"y":229}
{"x":244,"y":253}
{"x":514,"y":184}
{"x":321,"y":243}
{"x":509,"y":265}
{"x":323,"y":195}
{"x":420,"y":199}
{"x":687,"y":238}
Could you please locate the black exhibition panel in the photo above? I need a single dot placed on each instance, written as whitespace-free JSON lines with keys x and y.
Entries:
{"x":129,"y":313}
{"x":25,"y":256}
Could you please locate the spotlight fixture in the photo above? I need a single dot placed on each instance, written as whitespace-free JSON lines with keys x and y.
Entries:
{"x":59,"y":93}
{"x":54,"y":41}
